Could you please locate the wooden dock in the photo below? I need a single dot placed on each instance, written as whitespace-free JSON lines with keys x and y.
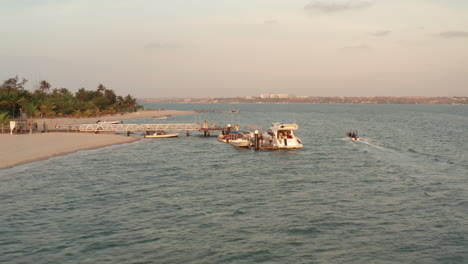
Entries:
{"x":136,"y":127}
{"x":131,"y":128}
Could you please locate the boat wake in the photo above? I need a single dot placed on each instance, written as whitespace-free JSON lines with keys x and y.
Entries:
{"x":369,"y":143}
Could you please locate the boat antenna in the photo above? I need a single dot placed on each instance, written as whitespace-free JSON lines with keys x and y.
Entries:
{"x":294,"y":117}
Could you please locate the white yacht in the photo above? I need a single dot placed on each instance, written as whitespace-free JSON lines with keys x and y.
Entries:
{"x":281,"y":136}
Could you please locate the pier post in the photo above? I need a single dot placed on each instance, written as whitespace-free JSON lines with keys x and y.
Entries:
{"x":228,"y":133}
{"x":257,"y":140}
{"x":188,"y":133}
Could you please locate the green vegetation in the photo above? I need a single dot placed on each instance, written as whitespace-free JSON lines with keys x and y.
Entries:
{"x":4,"y":119}
{"x":60,"y":102}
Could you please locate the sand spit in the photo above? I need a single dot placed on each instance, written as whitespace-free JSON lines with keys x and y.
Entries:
{"x":117,"y":117}
{"x":21,"y":149}
{"x":24,"y":148}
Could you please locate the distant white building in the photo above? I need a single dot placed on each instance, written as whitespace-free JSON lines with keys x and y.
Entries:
{"x":274,"y":96}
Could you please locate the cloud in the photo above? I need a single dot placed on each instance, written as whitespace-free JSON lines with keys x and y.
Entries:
{"x":21,"y":4}
{"x":270,"y":22}
{"x":362,"y":47}
{"x":381,"y":33}
{"x":332,"y":6}
{"x":160,"y":45}
{"x":453,"y":34}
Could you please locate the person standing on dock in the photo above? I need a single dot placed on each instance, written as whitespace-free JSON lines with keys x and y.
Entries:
{"x":213,"y":124}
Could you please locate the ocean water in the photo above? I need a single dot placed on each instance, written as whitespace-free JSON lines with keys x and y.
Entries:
{"x":398,"y":196}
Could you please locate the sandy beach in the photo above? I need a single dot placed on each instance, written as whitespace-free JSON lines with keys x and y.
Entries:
{"x":24,"y":148}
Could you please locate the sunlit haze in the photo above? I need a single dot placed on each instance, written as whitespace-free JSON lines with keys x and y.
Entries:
{"x":229,"y":48}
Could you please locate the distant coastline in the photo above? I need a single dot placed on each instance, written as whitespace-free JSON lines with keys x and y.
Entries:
{"x":456,"y":100}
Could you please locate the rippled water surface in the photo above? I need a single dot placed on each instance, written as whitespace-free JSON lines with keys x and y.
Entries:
{"x":398,"y":196}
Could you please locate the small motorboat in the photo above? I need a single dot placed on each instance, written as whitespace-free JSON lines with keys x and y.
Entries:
{"x":236,"y":138}
{"x":353,"y":136}
{"x":241,"y":139}
{"x":223,"y":138}
{"x":160,"y":134}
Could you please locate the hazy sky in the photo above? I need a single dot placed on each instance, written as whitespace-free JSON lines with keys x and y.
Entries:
{"x":226,"y":48}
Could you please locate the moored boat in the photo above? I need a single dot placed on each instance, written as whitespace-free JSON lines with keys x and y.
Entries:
{"x":223,"y":138}
{"x":161,"y":134}
{"x":280,"y":136}
{"x":241,"y":139}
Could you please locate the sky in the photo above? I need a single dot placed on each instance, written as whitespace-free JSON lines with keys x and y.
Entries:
{"x":230,"y":48}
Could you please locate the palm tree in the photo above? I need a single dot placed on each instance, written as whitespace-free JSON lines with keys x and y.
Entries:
{"x":47,"y":109}
{"x":44,"y":86}
{"x":31,"y":112}
{"x":82,"y":95}
{"x":101,"y":88}
{"x":4,"y":119}
{"x":8,"y":103}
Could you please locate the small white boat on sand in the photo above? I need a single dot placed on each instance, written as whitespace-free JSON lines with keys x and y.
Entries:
{"x":161,"y":134}
{"x":109,"y":122}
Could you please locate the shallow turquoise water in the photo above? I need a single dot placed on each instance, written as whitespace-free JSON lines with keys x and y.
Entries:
{"x":398,"y":196}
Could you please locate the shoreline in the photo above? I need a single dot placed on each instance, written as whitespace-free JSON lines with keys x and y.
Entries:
{"x":20,"y":149}
{"x":62,"y":121}
{"x":28,"y":148}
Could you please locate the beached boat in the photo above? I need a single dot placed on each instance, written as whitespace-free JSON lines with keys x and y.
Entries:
{"x":160,"y":117}
{"x":281,"y":136}
{"x":109,"y":122}
{"x":161,"y":134}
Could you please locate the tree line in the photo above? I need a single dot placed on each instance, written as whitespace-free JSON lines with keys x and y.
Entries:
{"x":60,"y":102}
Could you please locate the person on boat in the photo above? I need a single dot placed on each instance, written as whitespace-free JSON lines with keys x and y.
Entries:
{"x":353,"y":135}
